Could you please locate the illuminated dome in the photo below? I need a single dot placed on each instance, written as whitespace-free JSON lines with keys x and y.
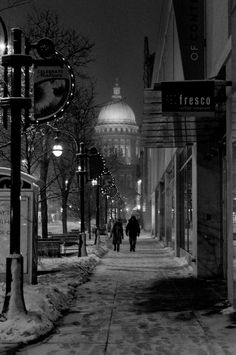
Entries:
{"x":116,"y":111}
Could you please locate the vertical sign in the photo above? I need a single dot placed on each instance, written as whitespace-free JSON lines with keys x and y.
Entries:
{"x":54,"y":85}
{"x":189,"y":16}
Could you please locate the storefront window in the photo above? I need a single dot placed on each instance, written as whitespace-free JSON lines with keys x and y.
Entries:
{"x":162,"y":211}
{"x":186,"y":237}
{"x":170,"y":205}
{"x":234,"y":190}
{"x":173,"y":229}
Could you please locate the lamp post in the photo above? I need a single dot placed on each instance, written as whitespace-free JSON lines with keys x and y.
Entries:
{"x":90,"y":166}
{"x":105,"y":219}
{"x":17,"y":99}
{"x":96,"y":167}
{"x":95,"y":183}
{"x":5,"y":71}
{"x":106,"y":182}
{"x":16,"y":102}
{"x":81,"y":175}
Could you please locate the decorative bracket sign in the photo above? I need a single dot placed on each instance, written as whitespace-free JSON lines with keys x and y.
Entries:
{"x":54,"y":82}
{"x":113,"y":191}
{"x":107,"y":181}
{"x":53,"y":88}
{"x":96,"y":164}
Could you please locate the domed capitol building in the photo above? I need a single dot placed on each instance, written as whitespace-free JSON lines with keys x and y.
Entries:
{"x":117,"y":135}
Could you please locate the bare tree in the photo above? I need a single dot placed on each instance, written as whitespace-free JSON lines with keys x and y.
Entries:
{"x":78,"y":124}
{"x":78,"y":119}
{"x":77,"y":50}
{"x":75,"y":47}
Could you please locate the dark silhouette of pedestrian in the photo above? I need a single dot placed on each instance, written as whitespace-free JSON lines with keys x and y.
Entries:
{"x":132,"y":230}
{"x":117,"y":234}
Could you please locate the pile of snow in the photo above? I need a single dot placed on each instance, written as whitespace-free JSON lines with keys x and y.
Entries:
{"x":46,"y":301}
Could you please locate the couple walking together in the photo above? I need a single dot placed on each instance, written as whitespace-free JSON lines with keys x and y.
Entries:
{"x":132,"y":230}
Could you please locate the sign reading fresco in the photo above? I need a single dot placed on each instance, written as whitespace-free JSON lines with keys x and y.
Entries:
{"x":188,"y":96}
{"x":180,"y":113}
{"x":189,"y":15}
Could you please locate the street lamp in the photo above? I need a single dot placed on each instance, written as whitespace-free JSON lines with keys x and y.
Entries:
{"x":57,"y":148}
{"x":95,"y":183}
{"x":16,"y":98}
{"x":16,"y":102}
{"x":5,"y":49}
{"x":96,"y":168}
{"x":81,"y":174}
{"x":106,"y":182}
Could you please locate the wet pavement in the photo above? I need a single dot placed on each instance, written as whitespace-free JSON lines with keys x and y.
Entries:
{"x":143,"y":303}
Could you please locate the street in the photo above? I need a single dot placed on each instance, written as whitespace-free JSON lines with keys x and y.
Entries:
{"x":142,"y":303}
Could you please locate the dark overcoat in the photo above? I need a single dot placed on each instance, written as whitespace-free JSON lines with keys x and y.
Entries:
{"x":117,"y":233}
{"x":132,"y":228}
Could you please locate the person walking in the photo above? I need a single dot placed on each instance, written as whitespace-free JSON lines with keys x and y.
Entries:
{"x":132,"y":230}
{"x":117,"y":234}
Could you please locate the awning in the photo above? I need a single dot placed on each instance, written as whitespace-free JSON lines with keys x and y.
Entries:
{"x":176,"y":129}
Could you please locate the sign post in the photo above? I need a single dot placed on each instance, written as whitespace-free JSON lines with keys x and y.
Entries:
{"x":54,"y":90}
{"x":14,"y":299}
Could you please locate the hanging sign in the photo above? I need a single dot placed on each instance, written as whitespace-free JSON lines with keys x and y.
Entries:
{"x":106,"y":182}
{"x":188,"y":96}
{"x":113,"y":191}
{"x":96,"y":164}
{"x":189,"y":15}
{"x":53,"y":88}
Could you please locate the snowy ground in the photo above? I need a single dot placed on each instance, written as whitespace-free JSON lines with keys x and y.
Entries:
{"x":46,"y":301}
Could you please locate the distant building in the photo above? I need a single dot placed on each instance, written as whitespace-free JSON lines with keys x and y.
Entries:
{"x":117,"y":135}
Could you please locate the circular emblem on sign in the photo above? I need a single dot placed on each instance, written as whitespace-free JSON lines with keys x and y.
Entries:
{"x":45,"y":48}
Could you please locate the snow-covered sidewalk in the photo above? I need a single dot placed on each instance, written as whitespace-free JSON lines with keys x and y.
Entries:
{"x":167,"y":298}
{"x":147,"y":302}
{"x":46,"y":301}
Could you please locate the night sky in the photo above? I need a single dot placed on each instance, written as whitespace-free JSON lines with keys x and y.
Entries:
{"x":118,"y":29}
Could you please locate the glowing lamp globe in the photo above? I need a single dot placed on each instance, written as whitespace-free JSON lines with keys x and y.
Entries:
{"x":57,"y":150}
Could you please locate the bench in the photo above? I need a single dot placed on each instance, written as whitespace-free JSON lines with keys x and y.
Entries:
{"x":49,"y":248}
{"x":67,"y":241}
